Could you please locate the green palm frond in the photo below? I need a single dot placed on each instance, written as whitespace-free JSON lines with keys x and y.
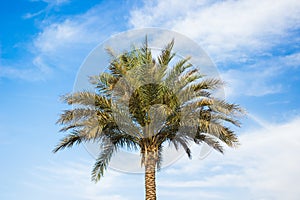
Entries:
{"x":79,"y":114}
{"x":69,"y":141}
{"x":102,"y":161}
{"x":227,"y":108}
{"x":177,"y":70}
{"x":184,"y":143}
{"x":211,"y":141}
{"x":73,"y":126}
{"x":159,"y":157}
{"x":217,"y":130}
{"x":166,"y":55}
{"x":145,"y":53}
{"x":88,"y":99}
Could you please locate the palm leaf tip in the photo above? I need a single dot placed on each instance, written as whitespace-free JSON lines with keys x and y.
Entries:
{"x":102,"y":162}
{"x":98,"y":170}
{"x":68,"y":141}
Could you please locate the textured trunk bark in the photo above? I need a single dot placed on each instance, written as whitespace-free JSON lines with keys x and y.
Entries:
{"x":150,"y":169}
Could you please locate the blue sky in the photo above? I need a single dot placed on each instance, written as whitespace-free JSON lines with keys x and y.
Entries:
{"x":254,"y":43}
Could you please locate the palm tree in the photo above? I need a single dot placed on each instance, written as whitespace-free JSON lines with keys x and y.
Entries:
{"x":119,"y":113}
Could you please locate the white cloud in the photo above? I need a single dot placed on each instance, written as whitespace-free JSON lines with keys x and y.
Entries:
{"x":66,"y":43}
{"x":259,"y":79}
{"x":63,"y":44}
{"x":265,"y":166}
{"x":56,"y":2}
{"x":35,"y":70}
{"x":50,"y":5}
{"x":234,"y":33}
{"x":228,"y":30}
{"x":36,"y":73}
{"x":53,"y":2}
{"x":60,"y":36}
{"x":72,"y":180}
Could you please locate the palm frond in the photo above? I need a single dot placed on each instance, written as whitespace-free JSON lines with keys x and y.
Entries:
{"x":87,"y":98}
{"x":146,"y":54}
{"x":79,"y":114}
{"x":211,"y":141}
{"x":68,"y":141}
{"x":217,"y":130}
{"x":159,"y":157}
{"x":227,"y":108}
{"x":71,"y":126}
{"x":102,"y":161}
{"x":208,"y":84}
{"x":166,"y":55}
{"x":177,"y":70}
{"x":184,"y":144}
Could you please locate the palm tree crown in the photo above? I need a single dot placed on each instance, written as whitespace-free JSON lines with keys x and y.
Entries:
{"x":143,"y":103}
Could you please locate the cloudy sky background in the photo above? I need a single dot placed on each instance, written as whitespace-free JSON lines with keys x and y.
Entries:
{"x":255,"y":45}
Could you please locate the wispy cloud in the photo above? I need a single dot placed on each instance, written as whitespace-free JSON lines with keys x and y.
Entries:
{"x":66,"y":44}
{"x":71,"y":179}
{"x":265,"y":166}
{"x":38,"y":71}
{"x":259,"y":79}
{"x":63,"y":44}
{"x":228,"y":30}
{"x":78,"y":33}
{"x":50,"y":5}
{"x":240,"y":35}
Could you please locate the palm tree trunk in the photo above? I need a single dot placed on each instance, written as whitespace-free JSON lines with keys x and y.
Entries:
{"x":150,"y":168}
